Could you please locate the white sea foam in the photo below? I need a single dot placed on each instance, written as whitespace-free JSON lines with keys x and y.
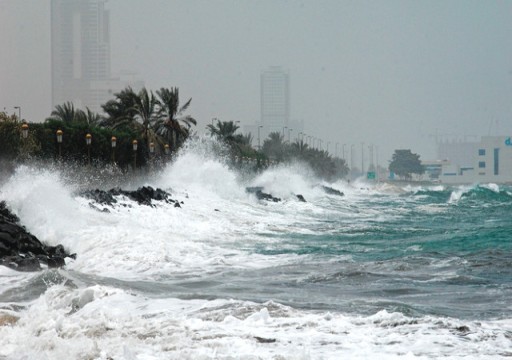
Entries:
{"x":217,"y":232}
{"x":102,"y":322}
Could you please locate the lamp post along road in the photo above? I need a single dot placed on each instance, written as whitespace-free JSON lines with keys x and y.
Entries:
{"x":259,"y":146}
{"x":24,"y":130}
{"x":19,"y":112}
{"x":24,"y":135}
{"x":59,"y":141}
{"x":88,"y":139}
{"x":135,"y":146}
{"x":113,"y":141}
{"x":362,"y":158}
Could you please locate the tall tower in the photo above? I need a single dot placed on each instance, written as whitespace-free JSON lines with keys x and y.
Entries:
{"x":275,"y":99}
{"x":80,"y":41}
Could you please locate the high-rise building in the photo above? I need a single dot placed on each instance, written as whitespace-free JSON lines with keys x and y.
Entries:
{"x":275,"y":99}
{"x":80,"y":41}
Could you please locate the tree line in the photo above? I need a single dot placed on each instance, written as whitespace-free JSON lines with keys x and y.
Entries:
{"x":158,"y":124}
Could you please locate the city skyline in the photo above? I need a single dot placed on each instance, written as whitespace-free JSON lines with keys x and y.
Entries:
{"x":393,"y":75}
{"x":80,"y":55}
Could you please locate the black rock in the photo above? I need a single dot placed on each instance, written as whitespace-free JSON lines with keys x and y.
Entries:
{"x":331,"y":191}
{"x":265,"y":340}
{"x":257,"y":190}
{"x":56,"y":262}
{"x":143,"y":196}
{"x":6,"y":214}
{"x":21,"y":250}
{"x":301,"y":198}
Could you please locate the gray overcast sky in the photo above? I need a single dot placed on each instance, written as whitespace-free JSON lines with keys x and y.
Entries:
{"x":390,"y":73}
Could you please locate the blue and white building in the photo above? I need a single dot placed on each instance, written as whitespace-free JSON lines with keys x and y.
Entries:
{"x":487,"y":161}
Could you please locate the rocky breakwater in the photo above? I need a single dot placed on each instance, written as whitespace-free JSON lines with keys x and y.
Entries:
{"x":143,"y":196}
{"x":22,"y":251}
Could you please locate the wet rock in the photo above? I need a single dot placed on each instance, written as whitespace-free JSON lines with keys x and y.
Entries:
{"x":143,"y":196}
{"x":332,"y":191}
{"x":21,"y":250}
{"x":265,"y":340}
{"x":258,"y":191}
{"x":463,"y":329}
{"x":301,"y":198}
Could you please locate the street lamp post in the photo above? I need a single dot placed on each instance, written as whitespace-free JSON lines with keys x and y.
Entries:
{"x":134,"y":146}
{"x":259,"y":127}
{"x":59,"y":141}
{"x":289,"y":130}
{"x":285,"y":127}
{"x":113,"y":141}
{"x":343,"y":151}
{"x":19,"y":112}
{"x":88,"y":139}
{"x":377,"y":162}
{"x":362,"y":158}
{"x":351,"y":157}
{"x":24,"y":130}
{"x":328,"y":142}
{"x":24,"y":135}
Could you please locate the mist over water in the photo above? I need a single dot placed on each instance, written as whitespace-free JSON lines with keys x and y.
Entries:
{"x":386,"y":270}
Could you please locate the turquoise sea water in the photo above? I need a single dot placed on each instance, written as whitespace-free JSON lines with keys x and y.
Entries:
{"x":387,"y":270}
{"x":444,"y":252}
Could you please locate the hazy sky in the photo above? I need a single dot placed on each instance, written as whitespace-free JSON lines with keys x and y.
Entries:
{"x":388,"y":73}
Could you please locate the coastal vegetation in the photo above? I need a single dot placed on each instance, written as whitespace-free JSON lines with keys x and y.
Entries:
{"x":142,"y":128}
{"x":404,"y":163}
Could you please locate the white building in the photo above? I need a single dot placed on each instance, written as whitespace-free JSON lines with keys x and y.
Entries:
{"x":487,"y":161}
{"x":275,"y":100}
{"x":80,"y":42}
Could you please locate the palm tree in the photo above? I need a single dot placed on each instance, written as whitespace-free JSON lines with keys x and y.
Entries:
{"x":87,"y":117}
{"x":300,"y":147}
{"x":121,"y":110}
{"x":171,"y":124}
{"x":224,"y":131}
{"x":66,"y":113}
{"x":274,"y":146}
{"x":145,"y":108}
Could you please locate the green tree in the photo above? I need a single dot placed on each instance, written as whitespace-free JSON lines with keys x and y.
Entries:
{"x":274,"y":146}
{"x":172,"y":125}
{"x":224,"y":131}
{"x":67,"y":113}
{"x":404,"y":163}
{"x":145,"y":107}
{"x":120,"y":110}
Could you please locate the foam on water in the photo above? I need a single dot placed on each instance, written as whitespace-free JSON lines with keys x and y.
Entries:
{"x":156,"y":282}
{"x":102,"y":322}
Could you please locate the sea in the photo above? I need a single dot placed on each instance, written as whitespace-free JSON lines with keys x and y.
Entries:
{"x":386,"y":271}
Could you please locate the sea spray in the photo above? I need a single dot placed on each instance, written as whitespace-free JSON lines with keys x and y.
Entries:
{"x":384,"y":271}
